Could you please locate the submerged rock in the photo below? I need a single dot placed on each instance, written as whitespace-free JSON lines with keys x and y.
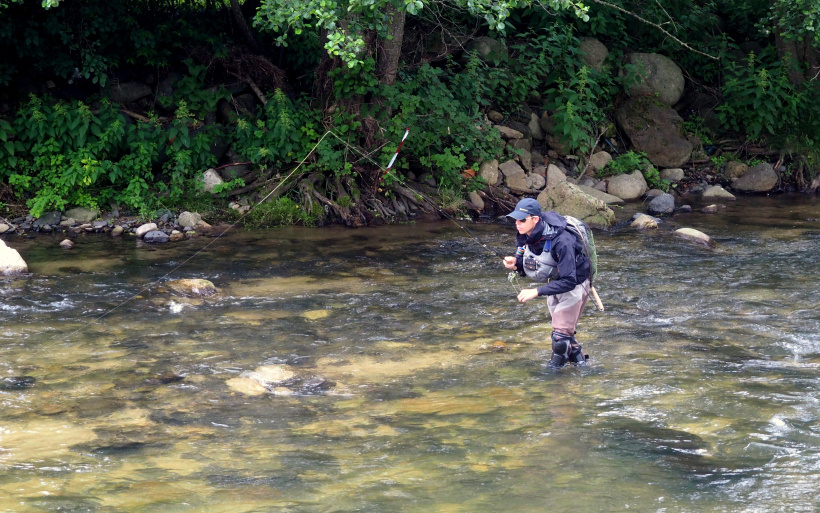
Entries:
{"x":694,"y":235}
{"x":193,"y":287}
{"x":10,"y":261}
{"x":17,"y":383}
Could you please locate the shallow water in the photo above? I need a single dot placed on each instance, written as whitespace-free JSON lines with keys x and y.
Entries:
{"x":703,"y":393}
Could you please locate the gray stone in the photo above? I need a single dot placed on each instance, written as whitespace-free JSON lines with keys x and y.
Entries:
{"x":525,"y":158}
{"x":518,"y":183}
{"x":644,"y":222}
{"x":664,"y":204}
{"x":609,"y":199}
{"x":661,"y":78}
{"x":537,"y":182}
{"x":598,"y":161}
{"x":627,"y":187}
{"x":593,"y":52}
{"x":189,"y":219}
{"x":210,"y":179}
{"x":694,"y":235}
{"x":511,"y":168}
{"x":156,"y":236}
{"x":673,"y":174}
{"x":82,"y":215}
{"x":656,"y":130}
{"x":567,"y":199}
{"x":761,"y":178}
{"x":48,"y":219}
{"x":716,"y":192}
{"x":509,"y":133}
{"x":489,"y":50}
{"x":476,"y":200}
{"x":735,"y":169}
{"x":147,"y":227}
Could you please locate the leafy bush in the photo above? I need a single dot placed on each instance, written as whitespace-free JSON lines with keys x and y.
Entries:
{"x":759,"y":99}
{"x":631,"y":161}
{"x":61,"y":154}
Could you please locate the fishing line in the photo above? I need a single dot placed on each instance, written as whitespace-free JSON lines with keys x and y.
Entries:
{"x":197,"y":252}
{"x":512,"y":277}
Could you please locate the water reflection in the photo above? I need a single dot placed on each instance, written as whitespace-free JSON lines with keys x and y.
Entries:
{"x":702,"y":395}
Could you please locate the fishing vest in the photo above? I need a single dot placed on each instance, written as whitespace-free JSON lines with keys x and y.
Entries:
{"x":541,"y":268}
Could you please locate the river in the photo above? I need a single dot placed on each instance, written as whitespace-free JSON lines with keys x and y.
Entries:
{"x":702,"y":393}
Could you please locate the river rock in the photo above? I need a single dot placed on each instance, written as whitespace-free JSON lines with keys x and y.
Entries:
{"x":189,"y":219}
{"x":156,"y":237}
{"x":735,"y":169}
{"x":567,"y":199}
{"x":66,"y":244}
{"x":246,"y":386}
{"x":710,"y":209}
{"x":48,"y":219}
{"x":210,"y":179}
{"x":82,"y":215}
{"x":270,"y":375}
{"x":644,"y":222}
{"x":661,"y":78}
{"x":117,"y":231}
{"x":10,"y":260}
{"x":593,"y":52}
{"x":663,"y":204}
{"x":598,"y":161}
{"x":761,"y":178}
{"x":147,"y":227}
{"x":694,"y":235}
{"x":628,"y":187}
{"x":716,"y":192}
{"x":509,"y":133}
{"x":4,"y":228}
{"x":673,"y":174}
{"x":656,"y":130}
{"x":193,"y":287}
{"x":609,"y":199}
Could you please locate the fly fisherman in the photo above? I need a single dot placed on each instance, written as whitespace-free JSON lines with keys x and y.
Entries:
{"x":549,"y":253}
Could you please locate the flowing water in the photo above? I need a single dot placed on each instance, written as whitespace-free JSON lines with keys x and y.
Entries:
{"x":703,"y":392}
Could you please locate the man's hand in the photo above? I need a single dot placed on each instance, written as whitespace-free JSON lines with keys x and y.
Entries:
{"x":527,"y":294}
{"x":509,"y":262}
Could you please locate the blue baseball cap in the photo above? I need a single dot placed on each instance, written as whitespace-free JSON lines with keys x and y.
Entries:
{"x":525,"y":208}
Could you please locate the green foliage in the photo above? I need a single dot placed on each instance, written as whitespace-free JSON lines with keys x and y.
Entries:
{"x":190,"y":94}
{"x":759,"y":99}
{"x":695,"y":126}
{"x":60,"y":155}
{"x":631,"y":161}
{"x":346,"y":21}
{"x":625,"y":163}
{"x":281,"y":211}
{"x":443,"y":112}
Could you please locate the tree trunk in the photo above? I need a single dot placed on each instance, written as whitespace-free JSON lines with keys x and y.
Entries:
{"x":242,"y":25}
{"x":391,"y":53}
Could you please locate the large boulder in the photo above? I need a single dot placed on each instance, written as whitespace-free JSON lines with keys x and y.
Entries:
{"x":659,"y":76}
{"x":609,"y":199}
{"x":663,"y":204}
{"x":489,"y":172}
{"x":10,"y":260}
{"x":655,"y":129}
{"x":593,"y":52}
{"x":567,"y":199}
{"x":761,"y":178}
{"x":628,"y":187}
{"x":128,"y":92}
{"x":489,"y":50}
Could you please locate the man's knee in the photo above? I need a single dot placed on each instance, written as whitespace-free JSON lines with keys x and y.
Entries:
{"x":560,"y":348}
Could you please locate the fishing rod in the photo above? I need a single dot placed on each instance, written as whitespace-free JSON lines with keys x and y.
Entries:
{"x":512,"y":277}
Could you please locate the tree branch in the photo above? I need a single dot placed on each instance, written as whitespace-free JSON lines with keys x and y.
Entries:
{"x":630,"y":13}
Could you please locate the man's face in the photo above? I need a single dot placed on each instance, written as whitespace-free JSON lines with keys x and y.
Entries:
{"x":527,"y":225}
